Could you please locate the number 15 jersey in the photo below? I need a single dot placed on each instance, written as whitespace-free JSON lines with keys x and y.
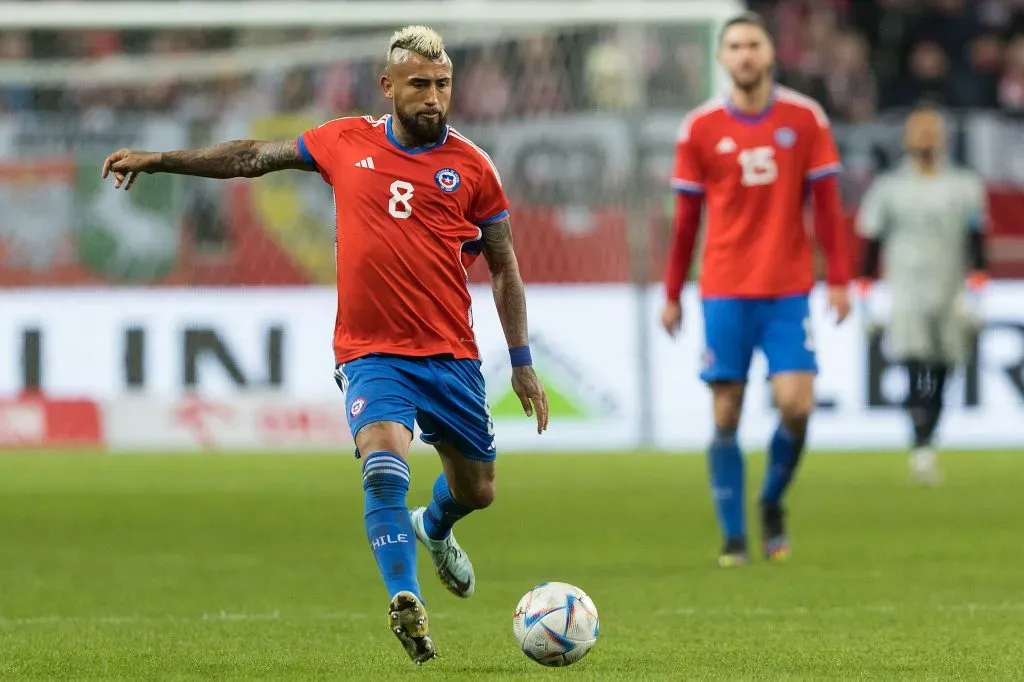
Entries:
{"x":753,"y":173}
{"x":408,"y":226}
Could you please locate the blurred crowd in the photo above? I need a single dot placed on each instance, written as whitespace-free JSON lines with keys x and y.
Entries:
{"x":860,"y":57}
{"x":557,"y":72}
{"x":856,"y":56}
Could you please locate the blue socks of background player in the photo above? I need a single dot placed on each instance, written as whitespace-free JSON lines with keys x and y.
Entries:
{"x":443,"y":511}
{"x":388,"y":527}
{"x":783,"y":456}
{"x":726,"y":465}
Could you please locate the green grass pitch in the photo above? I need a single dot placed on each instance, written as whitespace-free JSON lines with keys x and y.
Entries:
{"x":256,"y":567}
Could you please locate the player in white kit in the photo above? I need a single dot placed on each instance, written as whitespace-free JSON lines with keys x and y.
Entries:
{"x":927,"y":221}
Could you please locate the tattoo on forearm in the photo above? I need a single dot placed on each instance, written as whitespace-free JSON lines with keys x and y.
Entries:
{"x":237,"y":159}
{"x":506,"y":283}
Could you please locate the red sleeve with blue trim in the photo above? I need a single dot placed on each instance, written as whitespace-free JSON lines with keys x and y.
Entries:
{"x":489,"y":204}
{"x":688,"y":172}
{"x":317,"y":147}
{"x":824,"y":157}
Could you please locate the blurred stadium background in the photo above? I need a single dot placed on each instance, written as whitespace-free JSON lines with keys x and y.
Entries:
{"x":195,"y":316}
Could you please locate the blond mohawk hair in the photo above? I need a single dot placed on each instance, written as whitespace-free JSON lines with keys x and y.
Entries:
{"x":421,"y":40}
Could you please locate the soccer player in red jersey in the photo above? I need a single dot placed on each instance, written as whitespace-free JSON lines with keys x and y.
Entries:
{"x":751,"y":157}
{"x":416,"y":203}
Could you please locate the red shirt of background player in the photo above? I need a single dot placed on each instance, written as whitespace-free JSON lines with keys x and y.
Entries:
{"x":753,"y":172}
{"x":407,"y":228}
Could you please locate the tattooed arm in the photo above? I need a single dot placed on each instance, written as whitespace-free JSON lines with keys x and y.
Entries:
{"x":238,"y":159}
{"x":506,"y":282}
{"x":510,"y":300}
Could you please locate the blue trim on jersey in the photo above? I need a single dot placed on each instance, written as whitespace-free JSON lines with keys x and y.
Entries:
{"x":412,"y":150}
{"x":493,"y":219}
{"x":687,"y":187}
{"x":304,"y":152}
{"x":824,"y":172}
{"x":750,"y":119}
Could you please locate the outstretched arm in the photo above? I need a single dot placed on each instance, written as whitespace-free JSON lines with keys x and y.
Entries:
{"x":510,"y":300}
{"x":236,"y":159}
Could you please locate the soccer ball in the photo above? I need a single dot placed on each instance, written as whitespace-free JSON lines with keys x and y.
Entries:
{"x":555,"y":624}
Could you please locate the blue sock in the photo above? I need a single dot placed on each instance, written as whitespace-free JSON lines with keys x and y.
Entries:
{"x":388,"y":527}
{"x":783,"y":456}
{"x":443,"y":511}
{"x":726,"y":464}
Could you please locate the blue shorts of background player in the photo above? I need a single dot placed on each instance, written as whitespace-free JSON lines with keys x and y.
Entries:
{"x":445,"y":396}
{"x":734,"y":328}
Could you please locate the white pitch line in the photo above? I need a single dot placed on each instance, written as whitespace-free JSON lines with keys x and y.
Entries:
{"x":211,"y":617}
{"x":687,"y":612}
{"x":883,"y":608}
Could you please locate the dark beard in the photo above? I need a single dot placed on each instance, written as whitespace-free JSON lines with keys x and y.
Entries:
{"x":753,"y":84}
{"x":422,"y":133}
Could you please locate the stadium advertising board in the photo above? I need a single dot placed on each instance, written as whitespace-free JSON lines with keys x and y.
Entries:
{"x":858,"y":391}
{"x":254,"y":368}
{"x":251,"y":369}
{"x":253,"y":421}
{"x":31,"y":422}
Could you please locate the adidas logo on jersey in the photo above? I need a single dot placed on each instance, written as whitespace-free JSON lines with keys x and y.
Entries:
{"x":726,"y":146}
{"x":365,"y":163}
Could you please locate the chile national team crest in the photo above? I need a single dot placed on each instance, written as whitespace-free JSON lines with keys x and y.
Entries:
{"x":785,"y":137}
{"x":357,"y":406}
{"x":448,"y":179}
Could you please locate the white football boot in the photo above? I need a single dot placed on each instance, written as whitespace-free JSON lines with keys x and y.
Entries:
{"x":924,"y":469}
{"x":450,"y":561}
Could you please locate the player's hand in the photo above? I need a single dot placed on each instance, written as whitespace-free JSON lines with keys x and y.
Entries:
{"x":977,"y":280}
{"x":672,"y":317}
{"x":839,"y":301}
{"x":868,"y":321}
{"x":531,"y":394}
{"x":126,"y":164}
{"x":968,"y":306}
{"x":969,"y":300}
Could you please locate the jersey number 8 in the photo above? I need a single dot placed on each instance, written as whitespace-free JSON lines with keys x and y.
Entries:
{"x":758,"y":166}
{"x":401,"y":195}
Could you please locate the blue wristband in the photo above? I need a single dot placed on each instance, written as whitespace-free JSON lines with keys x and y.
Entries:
{"x":520,"y":356}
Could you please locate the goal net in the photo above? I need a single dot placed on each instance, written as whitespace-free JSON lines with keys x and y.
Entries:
{"x":197,"y":313}
{"x":577,"y":103}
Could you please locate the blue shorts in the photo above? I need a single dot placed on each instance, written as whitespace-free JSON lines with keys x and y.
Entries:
{"x":734,"y":327}
{"x":445,"y":396}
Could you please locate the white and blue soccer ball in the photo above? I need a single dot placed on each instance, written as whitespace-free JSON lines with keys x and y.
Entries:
{"x":555,"y":624}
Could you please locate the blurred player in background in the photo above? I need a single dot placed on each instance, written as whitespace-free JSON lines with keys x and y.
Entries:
{"x":928,"y":220}
{"x":416,"y":203}
{"x":750,"y":157}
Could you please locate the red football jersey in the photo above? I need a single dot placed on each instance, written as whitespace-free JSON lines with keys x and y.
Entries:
{"x":753,"y":173}
{"x":408,"y":227}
